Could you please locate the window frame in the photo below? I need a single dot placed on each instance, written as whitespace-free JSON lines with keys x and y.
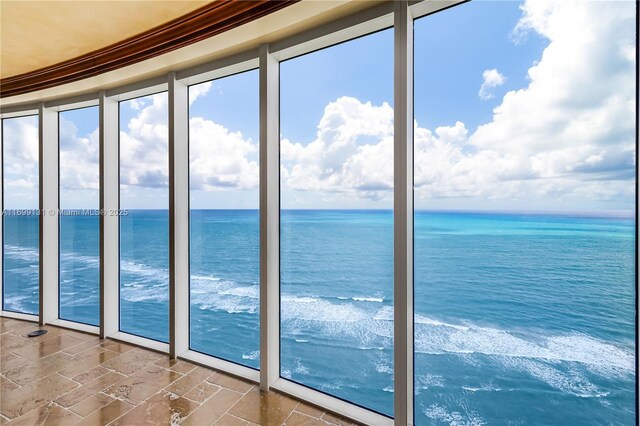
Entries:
{"x":77,"y":104}
{"x":30,"y":110}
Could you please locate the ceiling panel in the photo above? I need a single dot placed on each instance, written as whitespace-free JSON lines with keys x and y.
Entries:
{"x":36,"y":34}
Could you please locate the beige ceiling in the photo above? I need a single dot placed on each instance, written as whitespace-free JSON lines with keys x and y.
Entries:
{"x":36,"y":34}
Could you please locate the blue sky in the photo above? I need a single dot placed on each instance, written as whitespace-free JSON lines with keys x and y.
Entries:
{"x":518,"y":105}
{"x":459,"y":44}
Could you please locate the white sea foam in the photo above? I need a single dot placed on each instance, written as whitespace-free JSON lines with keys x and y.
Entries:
{"x":368,"y":299}
{"x":484,"y":388}
{"x":426,"y":381}
{"x":578,"y":348}
{"x":440,"y":414}
{"x":384,"y":366}
{"x":22,"y":253}
{"x":300,"y":368}
{"x":16,"y":302}
{"x":251,"y":355}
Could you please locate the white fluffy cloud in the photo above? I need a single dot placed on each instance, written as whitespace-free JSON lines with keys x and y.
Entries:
{"x":349,"y":155}
{"x":79,"y":158}
{"x":219,"y":158}
{"x":20,"y":161}
{"x":568,"y":135}
{"x":144,"y":155}
{"x":490,"y":80}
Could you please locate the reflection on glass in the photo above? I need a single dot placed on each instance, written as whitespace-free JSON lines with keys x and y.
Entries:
{"x":21,"y":221}
{"x":144,"y":220}
{"x":336,"y":222}
{"x":224,"y":220}
{"x":524,"y":230}
{"x":79,"y":221}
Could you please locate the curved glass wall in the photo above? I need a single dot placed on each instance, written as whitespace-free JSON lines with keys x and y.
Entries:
{"x":524,"y":214}
{"x":336,"y":221}
{"x":79,"y":217}
{"x":524,"y":195}
{"x":224,"y":218}
{"x":21,"y":215}
{"x":144,"y":217}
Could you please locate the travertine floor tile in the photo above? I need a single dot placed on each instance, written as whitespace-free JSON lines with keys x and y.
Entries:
{"x":9,"y":361}
{"x":91,"y":404}
{"x":214,"y":408}
{"x":7,"y":385}
{"x":49,"y":414}
{"x":309,"y":410}
{"x":88,"y":344}
{"x":18,"y":401}
{"x":91,"y":388}
{"x":90,"y":375}
{"x":264,"y":408}
{"x":8,"y":324}
{"x":132,"y":361}
{"x":39,"y":350}
{"x":336,"y":420}
{"x":117,"y":346}
{"x":189,"y":381}
{"x":106,"y":414}
{"x":80,"y":335}
{"x":11,"y":342}
{"x":229,"y":420}
{"x":230,"y":382}
{"x":87,"y":363}
{"x":202,"y":392}
{"x":93,"y":351}
{"x":137,"y":388}
{"x":175,"y":365}
{"x":33,"y":371}
{"x":161,"y":409}
{"x":298,"y":419}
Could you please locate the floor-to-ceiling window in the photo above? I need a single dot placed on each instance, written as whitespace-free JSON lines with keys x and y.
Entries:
{"x":336,"y":222}
{"x":21,"y":214}
{"x":79,"y":216}
{"x":524,"y":214}
{"x":144,"y":217}
{"x":224,"y":218}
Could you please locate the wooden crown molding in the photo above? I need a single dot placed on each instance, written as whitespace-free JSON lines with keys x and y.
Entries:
{"x":214,"y":18}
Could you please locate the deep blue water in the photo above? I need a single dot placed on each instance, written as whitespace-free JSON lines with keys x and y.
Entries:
{"x":520,"y":319}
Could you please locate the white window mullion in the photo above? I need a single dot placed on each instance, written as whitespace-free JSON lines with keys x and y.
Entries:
{"x":178,"y":217}
{"x":109,"y":219}
{"x":48,"y":130}
{"x":269,"y":219}
{"x":403,"y":214}
{"x":2,"y":218}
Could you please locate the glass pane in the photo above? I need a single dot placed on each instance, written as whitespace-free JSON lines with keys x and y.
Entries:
{"x":336,"y":221}
{"x":79,"y":219}
{"x":524,"y":214}
{"x":225,"y":220}
{"x":144,"y":220}
{"x":21,"y":249}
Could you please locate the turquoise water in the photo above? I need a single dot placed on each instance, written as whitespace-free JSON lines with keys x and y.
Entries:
{"x":520,"y":318}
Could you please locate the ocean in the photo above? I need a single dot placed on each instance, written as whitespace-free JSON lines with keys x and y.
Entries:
{"x":519,"y":318}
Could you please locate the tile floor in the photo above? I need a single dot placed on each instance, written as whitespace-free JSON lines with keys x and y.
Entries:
{"x":65,"y":377}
